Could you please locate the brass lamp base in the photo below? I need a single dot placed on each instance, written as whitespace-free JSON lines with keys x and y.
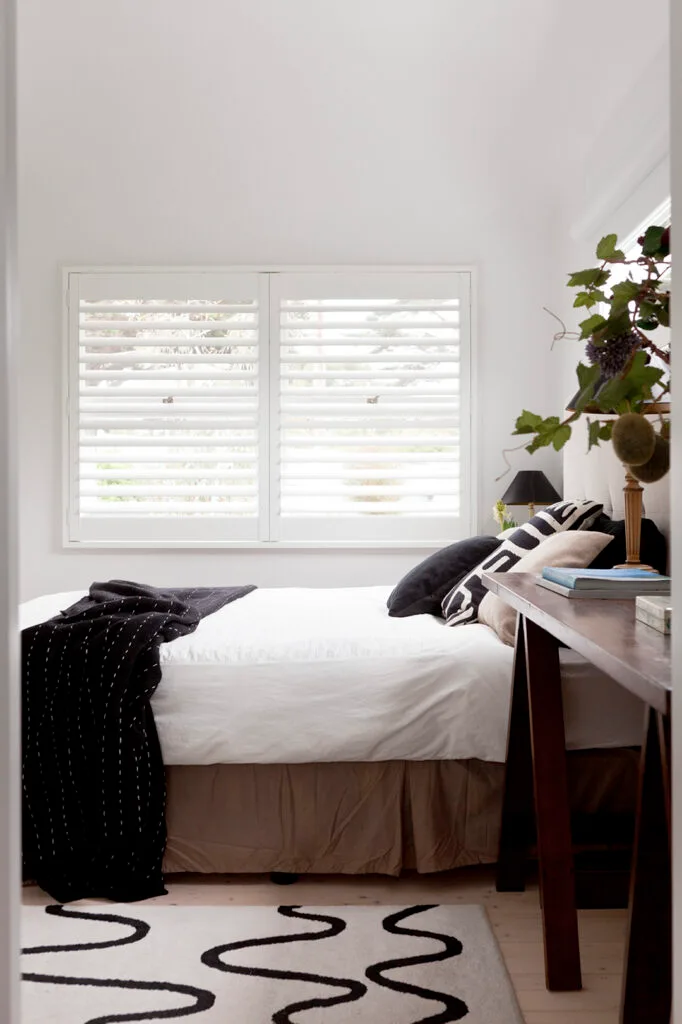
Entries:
{"x":635,"y":565}
{"x":632,"y":494}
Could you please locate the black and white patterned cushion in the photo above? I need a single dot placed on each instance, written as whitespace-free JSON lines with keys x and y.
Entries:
{"x":460,"y":605}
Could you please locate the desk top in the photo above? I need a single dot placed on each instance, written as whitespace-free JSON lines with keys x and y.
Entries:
{"x":605,"y":632}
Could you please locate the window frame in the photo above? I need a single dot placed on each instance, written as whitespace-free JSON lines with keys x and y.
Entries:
{"x":470,"y":502}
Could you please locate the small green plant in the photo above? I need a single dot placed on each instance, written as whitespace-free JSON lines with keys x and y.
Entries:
{"x":618,"y":375}
{"x":502,"y":516}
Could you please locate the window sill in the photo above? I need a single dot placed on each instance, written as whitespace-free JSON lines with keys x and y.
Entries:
{"x":127,"y":545}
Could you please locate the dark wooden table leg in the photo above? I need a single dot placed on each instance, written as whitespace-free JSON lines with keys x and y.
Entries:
{"x":552,"y":811}
{"x":647,"y":982}
{"x":518,"y":820}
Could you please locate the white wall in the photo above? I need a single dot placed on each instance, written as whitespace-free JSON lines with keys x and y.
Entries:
{"x":10,"y":826}
{"x":309,"y":132}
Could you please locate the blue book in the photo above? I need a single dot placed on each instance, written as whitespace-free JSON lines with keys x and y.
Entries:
{"x":590,"y":579}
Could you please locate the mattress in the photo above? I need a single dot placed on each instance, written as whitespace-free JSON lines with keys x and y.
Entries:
{"x":291,"y":675}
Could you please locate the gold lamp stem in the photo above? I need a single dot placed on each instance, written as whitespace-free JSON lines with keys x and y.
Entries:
{"x":632,"y":493}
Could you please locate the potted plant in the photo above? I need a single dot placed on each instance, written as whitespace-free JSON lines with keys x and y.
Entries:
{"x":626,"y":372}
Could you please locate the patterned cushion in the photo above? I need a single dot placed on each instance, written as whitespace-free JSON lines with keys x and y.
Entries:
{"x":460,"y":605}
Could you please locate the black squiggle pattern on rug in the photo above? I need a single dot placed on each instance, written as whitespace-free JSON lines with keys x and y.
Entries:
{"x":140,"y":930}
{"x":356,"y":989}
{"x":455,"y":1009}
{"x":204,"y":999}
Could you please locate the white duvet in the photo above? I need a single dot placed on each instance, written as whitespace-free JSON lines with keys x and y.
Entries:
{"x":293,"y":675}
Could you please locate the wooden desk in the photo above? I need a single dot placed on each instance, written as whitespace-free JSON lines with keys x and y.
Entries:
{"x":638,"y":658}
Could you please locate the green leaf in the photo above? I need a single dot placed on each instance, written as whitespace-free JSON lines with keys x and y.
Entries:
{"x":650,"y":324}
{"x":589,"y":326}
{"x":642,"y":376}
{"x":648,"y":309}
{"x":535,"y":444}
{"x":598,"y":431}
{"x":618,"y":323}
{"x":527,"y":422}
{"x":548,"y":430}
{"x":592,"y":434}
{"x":595,"y":277}
{"x":606,"y":250}
{"x":612,"y":396}
{"x":606,"y":246}
{"x":590,"y":298}
{"x":623,"y":293}
{"x":664,"y":315}
{"x":540,"y":441}
{"x":587,"y":374}
{"x":561,"y":436}
{"x":587,"y":378}
{"x":633,"y":388}
{"x":653,"y":237}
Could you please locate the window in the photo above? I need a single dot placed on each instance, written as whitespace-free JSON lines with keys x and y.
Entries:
{"x":213,"y":408}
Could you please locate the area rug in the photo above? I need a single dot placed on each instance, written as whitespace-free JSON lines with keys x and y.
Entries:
{"x":98,"y":964}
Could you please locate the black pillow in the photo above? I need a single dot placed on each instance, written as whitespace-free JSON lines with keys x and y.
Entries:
{"x":422,"y":589}
{"x":653,"y":547}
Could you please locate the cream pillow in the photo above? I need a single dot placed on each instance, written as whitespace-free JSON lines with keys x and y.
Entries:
{"x":572,"y":549}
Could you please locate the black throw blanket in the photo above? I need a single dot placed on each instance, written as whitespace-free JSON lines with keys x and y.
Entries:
{"x":93,"y":776}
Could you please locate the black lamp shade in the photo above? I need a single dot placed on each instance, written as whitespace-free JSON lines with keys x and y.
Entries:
{"x":530,"y":487}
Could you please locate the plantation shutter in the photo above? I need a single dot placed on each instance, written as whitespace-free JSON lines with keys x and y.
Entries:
{"x":208,"y":408}
{"x":370,"y":407}
{"x":166,"y":407}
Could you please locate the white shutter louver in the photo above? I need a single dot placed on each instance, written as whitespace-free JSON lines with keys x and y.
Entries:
{"x":372,"y":418}
{"x":167,"y":418}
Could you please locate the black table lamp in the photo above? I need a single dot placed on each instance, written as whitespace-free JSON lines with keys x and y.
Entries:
{"x":530,"y":487}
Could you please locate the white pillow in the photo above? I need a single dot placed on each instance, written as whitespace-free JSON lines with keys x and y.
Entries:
{"x":574,"y":549}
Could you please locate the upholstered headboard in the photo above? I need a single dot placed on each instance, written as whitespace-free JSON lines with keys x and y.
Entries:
{"x":599,"y":475}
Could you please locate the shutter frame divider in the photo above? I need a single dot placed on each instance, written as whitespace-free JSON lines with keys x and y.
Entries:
{"x":264,"y":409}
{"x":274,"y":523}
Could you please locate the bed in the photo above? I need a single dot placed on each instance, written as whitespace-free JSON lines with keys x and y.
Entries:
{"x":307,"y":731}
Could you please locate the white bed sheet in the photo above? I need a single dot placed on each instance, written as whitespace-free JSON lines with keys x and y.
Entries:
{"x":293,"y":675}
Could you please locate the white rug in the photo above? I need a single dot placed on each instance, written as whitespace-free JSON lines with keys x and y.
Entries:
{"x":99,"y":964}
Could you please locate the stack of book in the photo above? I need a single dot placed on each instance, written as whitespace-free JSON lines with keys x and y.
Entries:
{"x":603,"y":583}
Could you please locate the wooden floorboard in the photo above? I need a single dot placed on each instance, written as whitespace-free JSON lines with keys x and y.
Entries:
{"x":515,"y":918}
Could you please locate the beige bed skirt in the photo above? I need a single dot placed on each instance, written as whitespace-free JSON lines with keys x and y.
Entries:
{"x":357,"y":818}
